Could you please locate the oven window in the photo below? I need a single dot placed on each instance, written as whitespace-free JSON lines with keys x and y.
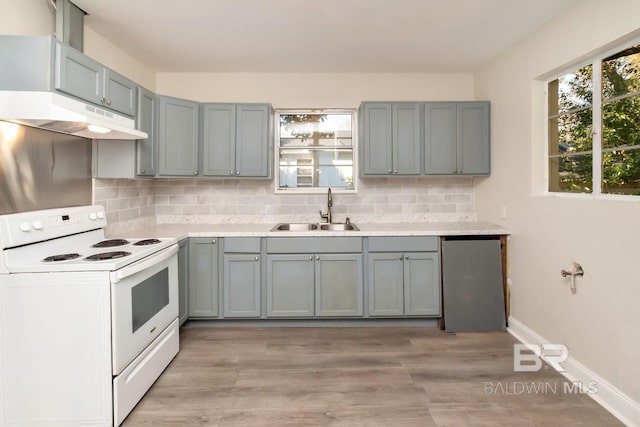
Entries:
{"x":148,"y":298}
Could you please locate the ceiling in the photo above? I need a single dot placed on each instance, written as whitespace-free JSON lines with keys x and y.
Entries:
{"x":303,"y":36}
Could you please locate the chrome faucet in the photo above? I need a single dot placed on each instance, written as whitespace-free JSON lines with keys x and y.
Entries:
{"x":327,"y":216}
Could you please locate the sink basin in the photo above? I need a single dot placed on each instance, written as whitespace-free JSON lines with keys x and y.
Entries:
{"x":334,"y":226}
{"x":295,"y":227}
{"x":339,"y":227}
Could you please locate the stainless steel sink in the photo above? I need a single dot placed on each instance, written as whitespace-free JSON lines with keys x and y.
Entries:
{"x":339,"y":227}
{"x":311,"y":227}
{"x":295,"y":227}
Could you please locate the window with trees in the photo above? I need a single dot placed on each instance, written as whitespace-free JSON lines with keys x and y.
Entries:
{"x":594,"y":126}
{"x":315,"y":150}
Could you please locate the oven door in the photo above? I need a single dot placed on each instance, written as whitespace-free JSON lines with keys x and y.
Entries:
{"x":144,"y":298}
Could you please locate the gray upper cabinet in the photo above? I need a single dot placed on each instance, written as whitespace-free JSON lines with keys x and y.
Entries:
{"x":391,"y":138}
{"x":457,"y":138}
{"x":146,"y":121}
{"x":177,"y":137}
{"x":203,"y":277}
{"x":82,"y":77}
{"x":236,"y":140}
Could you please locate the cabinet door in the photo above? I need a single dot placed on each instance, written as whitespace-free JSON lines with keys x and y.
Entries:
{"x":177,"y":137}
{"x":120,"y":93}
{"x":219,"y":136}
{"x":241,"y":285}
{"x":407,"y":152}
{"x":252,"y":140}
{"x":421,"y":284}
{"x":203,"y":277}
{"x":473,"y":138}
{"x":339,"y":285}
{"x":146,"y":122}
{"x":386,"y":289}
{"x":183,"y":280}
{"x":78,"y":75}
{"x":440,"y":138}
{"x":377,"y":149}
{"x":290,"y":286}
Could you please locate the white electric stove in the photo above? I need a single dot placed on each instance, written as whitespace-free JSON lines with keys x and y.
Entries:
{"x":87,"y":324}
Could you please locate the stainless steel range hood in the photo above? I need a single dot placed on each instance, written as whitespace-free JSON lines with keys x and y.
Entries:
{"x":52,"y":111}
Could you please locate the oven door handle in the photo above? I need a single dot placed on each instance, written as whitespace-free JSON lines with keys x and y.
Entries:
{"x":147,"y":262}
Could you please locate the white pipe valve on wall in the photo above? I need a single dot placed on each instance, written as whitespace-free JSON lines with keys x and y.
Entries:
{"x":576,"y":270}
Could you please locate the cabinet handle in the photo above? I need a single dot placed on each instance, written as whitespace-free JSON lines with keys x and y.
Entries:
{"x":459,"y":170}
{"x":395,"y":171}
{"x":257,"y":258}
{"x":237,"y":172}
{"x":103,"y":100}
{"x":310,"y":258}
{"x":195,"y":172}
{"x":390,"y":170}
{"x":317,"y":257}
{"x":213,"y":242}
{"x":400,"y":257}
{"x":108,"y":102}
{"x":142,"y":171}
{"x":231,"y":173}
{"x":406,"y":257}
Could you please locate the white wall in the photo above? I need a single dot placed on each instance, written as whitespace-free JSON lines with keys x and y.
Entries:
{"x":27,"y":18}
{"x":599,"y":324}
{"x":315,"y":90}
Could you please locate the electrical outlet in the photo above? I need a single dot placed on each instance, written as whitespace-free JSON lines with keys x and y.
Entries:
{"x":503,"y":212}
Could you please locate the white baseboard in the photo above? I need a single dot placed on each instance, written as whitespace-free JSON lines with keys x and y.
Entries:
{"x":609,"y":397}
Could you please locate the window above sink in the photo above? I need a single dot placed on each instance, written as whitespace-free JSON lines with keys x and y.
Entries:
{"x":315,"y":151}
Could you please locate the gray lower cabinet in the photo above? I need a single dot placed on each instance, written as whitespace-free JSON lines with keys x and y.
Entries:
{"x":177,"y":137}
{"x":339,"y":285}
{"x":203,"y":277}
{"x":78,"y":75}
{"x":241,"y":285}
{"x":314,"y":277}
{"x":403,"y":283}
{"x":456,"y":136}
{"x":290,"y":286}
{"x":183,"y":280}
{"x":236,"y":140}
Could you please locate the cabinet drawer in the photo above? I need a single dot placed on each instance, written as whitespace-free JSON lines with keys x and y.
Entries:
{"x":404,"y":244}
{"x":296,"y":245}
{"x":242,"y":244}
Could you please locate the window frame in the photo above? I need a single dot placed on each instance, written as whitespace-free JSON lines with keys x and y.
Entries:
{"x":595,"y":60}
{"x":354,"y":150}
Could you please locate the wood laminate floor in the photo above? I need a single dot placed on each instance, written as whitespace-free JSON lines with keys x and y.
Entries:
{"x":357,"y":377}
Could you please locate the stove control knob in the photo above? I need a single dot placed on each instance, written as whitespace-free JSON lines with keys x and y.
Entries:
{"x":100,"y":215}
{"x":25,"y":226}
{"x":93,"y":216}
{"x":37,"y":225}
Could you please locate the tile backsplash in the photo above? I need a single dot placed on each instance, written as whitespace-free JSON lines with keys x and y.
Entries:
{"x":131,"y":203}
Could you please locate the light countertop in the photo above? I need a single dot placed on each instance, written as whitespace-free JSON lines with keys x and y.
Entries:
{"x":180,"y":231}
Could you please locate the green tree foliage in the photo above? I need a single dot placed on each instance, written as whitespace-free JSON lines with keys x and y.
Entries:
{"x":620,"y":125}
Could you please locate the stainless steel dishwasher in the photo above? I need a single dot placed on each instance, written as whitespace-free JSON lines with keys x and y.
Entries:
{"x":473,"y":296}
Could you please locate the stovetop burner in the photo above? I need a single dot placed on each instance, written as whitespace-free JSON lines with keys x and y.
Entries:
{"x":147,"y":242}
{"x":110,"y":243}
{"x":107,"y":255}
{"x":61,"y":257}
